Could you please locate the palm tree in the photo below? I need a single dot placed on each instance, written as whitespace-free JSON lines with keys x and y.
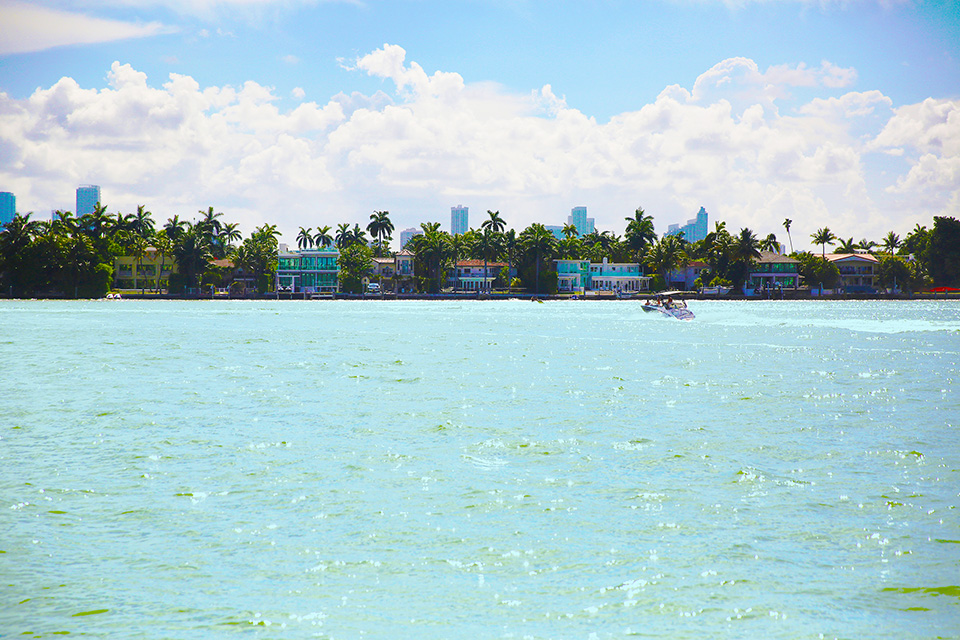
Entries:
{"x":357,"y":235}
{"x":666,"y":255}
{"x":495,"y":223}
{"x":569,"y":231}
{"x":209,"y":219}
{"x":322,"y":238}
{"x":485,"y":244}
{"x":890,"y":242}
{"x":139,"y":251}
{"x":64,"y":223}
{"x":867,"y":245}
{"x":746,"y":249}
{"x":379,"y":227}
{"x":459,"y":247}
{"x":433,"y":249}
{"x":770,"y":243}
{"x":192,"y":252}
{"x":95,"y":224}
{"x":823,"y":237}
{"x":164,"y":247}
{"x":508,"y":246}
{"x":229,"y":233}
{"x":847,"y":246}
{"x":174,"y":227}
{"x":142,"y":222}
{"x":344,"y":236}
{"x":304,"y":239}
{"x":17,"y":236}
{"x":538,"y":240}
{"x":639,"y":233}
{"x":786,"y":225}
{"x":569,"y":248}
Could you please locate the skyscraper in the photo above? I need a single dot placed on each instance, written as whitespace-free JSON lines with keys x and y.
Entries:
{"x":578,"y":218}
{"x":407,"y":235}
{"x":8,"y":207}
{"x":695,"y":229}
{"x":459,"y":222}
{"x":88,"y":197}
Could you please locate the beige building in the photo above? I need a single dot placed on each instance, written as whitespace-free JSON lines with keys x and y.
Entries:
{"x":152,"y":273}
{"x":858,"y":271}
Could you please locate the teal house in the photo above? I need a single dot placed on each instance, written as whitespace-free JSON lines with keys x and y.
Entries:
{"x":573,"y":276}
{"x":773,"y":270}
{"x":308,"y":270}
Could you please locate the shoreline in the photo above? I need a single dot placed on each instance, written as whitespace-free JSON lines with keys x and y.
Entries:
{"x":599,"y":296}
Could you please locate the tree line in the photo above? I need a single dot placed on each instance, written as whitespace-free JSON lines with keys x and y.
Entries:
{"x":75,"y":255}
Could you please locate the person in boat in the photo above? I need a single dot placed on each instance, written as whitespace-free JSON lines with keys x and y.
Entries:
{"x":668,"y":304}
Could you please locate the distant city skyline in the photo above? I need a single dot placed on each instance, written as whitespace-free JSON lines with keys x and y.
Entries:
{"x":694,"y":230}
{"x":758,"y":110}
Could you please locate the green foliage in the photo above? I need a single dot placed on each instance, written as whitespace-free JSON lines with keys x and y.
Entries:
{"x":817,"y":271}
{"x":97,"y":283}
{"x":658,"y":282}
{"x":943,"y":253}
{"x":893,"y":271}
{"x":504,"y":276}
{"x":258,"y":256}
{"x":720,"y":282}
{"x":547,"y":283}
{"x":355,"y":264}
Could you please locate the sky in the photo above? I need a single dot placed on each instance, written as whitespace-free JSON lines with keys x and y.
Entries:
{"x":303,"y":113}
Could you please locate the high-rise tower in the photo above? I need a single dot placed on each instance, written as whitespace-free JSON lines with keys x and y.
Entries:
{"x":578,"y":218}
{"x":459,"y":219}
{"x":8,"y":207}
{"x":88,"y":197}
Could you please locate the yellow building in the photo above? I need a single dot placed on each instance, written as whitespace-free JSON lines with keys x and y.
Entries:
{"x":153,"y":272}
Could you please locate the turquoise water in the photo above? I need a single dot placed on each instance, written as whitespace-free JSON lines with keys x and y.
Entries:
{"x":479,"y":469}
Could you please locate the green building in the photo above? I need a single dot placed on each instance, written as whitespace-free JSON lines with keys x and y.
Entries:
{"x":308,"y":270}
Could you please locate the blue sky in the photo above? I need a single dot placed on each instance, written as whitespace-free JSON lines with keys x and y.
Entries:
{"x":304,"y":113}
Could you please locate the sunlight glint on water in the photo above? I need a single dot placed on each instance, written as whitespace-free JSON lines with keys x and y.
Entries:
{"x":479,"y":469}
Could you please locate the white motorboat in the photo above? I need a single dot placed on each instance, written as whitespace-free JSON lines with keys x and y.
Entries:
{"x":665,"y":304}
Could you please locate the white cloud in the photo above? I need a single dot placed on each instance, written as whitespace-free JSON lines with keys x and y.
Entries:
{"x":426,"y":141}
{"x":931,"y":131}
{"x":298,"y":93}
{"x":26,"y":28}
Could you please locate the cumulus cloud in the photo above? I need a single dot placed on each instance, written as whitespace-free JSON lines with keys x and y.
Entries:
{"x":426,"y":141}
{"x":26,"y":28}
{"x":931,"y":129}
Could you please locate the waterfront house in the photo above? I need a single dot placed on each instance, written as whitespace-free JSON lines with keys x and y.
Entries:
{"x":148,"y":275}
{"x":382,"y":269}
{"x":403,"y":278}
{"x":618,"y":276}
{"x":234,"y":280}
{"x":857,"y":271}
{"x":773,"y":271}
{"x":469,"y":275}
{"x":308,"y":270}
{"x":573,"y":276}
{"x":685,"y":277}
